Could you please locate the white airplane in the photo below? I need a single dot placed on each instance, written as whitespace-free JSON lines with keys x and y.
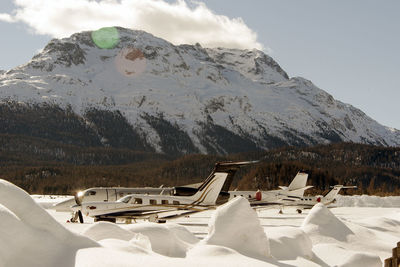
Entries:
{"x":295,"y":190}
{"x":106,"y":194}
{"x":328,"y":199}
{"x":304,"y":202}
{"x":167,"y":202}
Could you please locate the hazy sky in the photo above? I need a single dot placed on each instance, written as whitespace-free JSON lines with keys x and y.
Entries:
{"x":349,"y":48}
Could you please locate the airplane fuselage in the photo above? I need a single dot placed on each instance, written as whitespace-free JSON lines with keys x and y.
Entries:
{"x":109,"y":194}
{"x":137,"y":205}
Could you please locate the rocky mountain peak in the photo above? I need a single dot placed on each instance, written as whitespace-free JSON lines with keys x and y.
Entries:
{"x":216,"y":100}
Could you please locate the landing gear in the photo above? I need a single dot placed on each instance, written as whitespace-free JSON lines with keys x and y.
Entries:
{"x":75,"y":216}
{"x":281,"y":210}
{"x":299,"y":211}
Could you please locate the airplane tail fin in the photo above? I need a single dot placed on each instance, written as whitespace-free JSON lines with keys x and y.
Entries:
{"x":220,"y":179}
{"x":209,"y":191}
{"x":335,"y":190}
{"x":298,"y":182}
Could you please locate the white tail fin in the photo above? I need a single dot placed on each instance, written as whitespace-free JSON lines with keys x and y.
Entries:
{"x":299,"y":181}
{"x":335,"y":190}
{"x":208,"y":192}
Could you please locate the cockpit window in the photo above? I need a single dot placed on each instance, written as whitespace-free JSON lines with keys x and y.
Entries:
{"x":90,"y":193}
{"x":125,"y":199}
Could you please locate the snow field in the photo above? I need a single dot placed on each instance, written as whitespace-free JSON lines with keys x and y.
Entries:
{"x":232,"y":235}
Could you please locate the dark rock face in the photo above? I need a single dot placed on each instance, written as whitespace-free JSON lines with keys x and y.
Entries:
{"x":219,"y":140}
{"x":114,"y":130}
{"x":174,"y":141}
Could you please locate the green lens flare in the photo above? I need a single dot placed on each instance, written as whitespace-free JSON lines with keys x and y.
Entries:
{"x":106,"y":38}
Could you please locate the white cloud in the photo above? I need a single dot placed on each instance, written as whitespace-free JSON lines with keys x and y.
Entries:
{"x":176,"y":22}
{"x":6,"y":17}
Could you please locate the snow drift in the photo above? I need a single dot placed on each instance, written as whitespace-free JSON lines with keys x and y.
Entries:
{"x":321,"y":223}
{"x":331,"y":236}
{"x":236,"y":225}
{"x":329,"y":253}
{"x":163,"y":240}
{"x":106,"y":230}
{"x":28,"y":229}
{"x":289,"y":243}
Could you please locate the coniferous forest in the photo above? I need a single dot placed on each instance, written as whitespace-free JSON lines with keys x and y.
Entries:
{"x":43,"y":166}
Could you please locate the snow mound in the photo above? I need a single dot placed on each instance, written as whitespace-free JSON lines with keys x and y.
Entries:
{"x":183,"y":233}
{"x":27,"y":228}
{"x":329,"y":253}
{"x":236,"y":225}
{"x":388,"y":223}
{"x":163,"y":240}
{"x":110,"y":257}
{"x":48,"y":201}
{"x":106,"y":230}
{"x":142,"y":247}
{"x":289,"y":243}
{"x":323,"y":223}
{"x":210,"y":251}
{"x":222,"y":256}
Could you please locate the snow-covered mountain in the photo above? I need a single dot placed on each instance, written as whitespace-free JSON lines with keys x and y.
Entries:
{"x":187,"y":98}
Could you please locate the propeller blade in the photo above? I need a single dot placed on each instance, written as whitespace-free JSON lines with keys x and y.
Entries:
{"x":80,"y":216}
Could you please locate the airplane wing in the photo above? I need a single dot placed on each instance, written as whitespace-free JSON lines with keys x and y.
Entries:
{"x":185,"y":213}
{"x":158,"y":214}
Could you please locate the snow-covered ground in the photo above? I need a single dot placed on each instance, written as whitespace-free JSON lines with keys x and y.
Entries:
{"x":361,"y":232}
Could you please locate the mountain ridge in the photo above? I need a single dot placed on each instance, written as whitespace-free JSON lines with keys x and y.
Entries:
{"x":186,"y":99}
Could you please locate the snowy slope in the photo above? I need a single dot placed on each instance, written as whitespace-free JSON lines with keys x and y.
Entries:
{"x":207,"y":95}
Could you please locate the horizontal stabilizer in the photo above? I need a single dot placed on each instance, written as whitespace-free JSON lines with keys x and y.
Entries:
{"x":299,"y":192}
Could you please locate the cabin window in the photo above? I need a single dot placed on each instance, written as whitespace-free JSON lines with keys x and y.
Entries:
{"x":153,"y":202}
{"x":138,"y":201}
{"x":249,"y":196}
{"x":164,"y":201}
{"x":234,"y":195}
{"x":175,"y":202}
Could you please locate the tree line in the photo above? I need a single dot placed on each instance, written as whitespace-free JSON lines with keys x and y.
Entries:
{"x":374,"y":170}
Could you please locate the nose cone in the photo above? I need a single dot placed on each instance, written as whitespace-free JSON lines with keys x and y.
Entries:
{"x":65,"y":205}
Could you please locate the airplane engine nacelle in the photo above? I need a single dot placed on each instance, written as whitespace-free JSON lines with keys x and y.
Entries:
{"x":258,"y":195}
